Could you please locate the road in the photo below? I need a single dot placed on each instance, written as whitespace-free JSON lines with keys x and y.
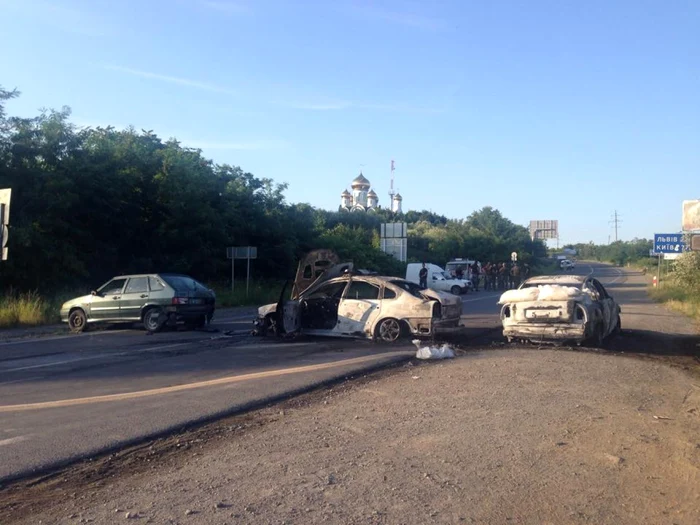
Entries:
{"x":66,"y":397}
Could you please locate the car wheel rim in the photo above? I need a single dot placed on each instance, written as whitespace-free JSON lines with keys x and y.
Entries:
{"x":151,"y":322}
{"x":77,"y":321}
{"x":389,"y":330}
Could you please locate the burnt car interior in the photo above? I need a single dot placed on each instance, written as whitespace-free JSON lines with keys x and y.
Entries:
{"x":319,"y":310}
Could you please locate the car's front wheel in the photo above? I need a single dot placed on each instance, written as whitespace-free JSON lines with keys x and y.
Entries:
{"x":77,"y":321}
{"x":389,"y":330}
{"x":154,"y":319}
{"x":456,"y":290}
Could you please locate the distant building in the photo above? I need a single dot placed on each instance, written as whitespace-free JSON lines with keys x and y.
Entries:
{"x":396,"y":203}
{"x":364,"y":198}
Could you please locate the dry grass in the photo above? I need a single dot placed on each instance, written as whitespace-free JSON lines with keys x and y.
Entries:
{"x":682,"y":300}
{"x":26,"y":309}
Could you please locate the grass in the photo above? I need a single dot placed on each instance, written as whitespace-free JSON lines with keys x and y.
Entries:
{"x":679,"y":299}
{"x":27,"y":309}
{"x":262,"y":292}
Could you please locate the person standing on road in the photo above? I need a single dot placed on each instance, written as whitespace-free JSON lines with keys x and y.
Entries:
{"x":502,"y":278}
{"x":475,"y":276}
{"x":423,"y":277}
{"x":485,"y":270}
{"x":526,"y":271}
{"x":515,"y":275}
{"x":459,"y":273}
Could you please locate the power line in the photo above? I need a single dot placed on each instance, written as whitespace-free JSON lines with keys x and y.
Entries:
{"x":615,"y":220}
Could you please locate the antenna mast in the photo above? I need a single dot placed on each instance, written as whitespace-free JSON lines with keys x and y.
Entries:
{"x":391,"y":188}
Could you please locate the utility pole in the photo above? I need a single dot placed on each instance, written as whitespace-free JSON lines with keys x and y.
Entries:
{"x":615,"y":220}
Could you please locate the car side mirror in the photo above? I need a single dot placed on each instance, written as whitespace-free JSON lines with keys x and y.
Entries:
{"x":96,"y":293}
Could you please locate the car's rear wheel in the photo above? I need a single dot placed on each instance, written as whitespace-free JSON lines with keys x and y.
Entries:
{"x":618,"y":328}
{"x":456,"y":290}
{"x":389,"y":330}
{"x":77,"y":321}
{"x":154,"y":319}
{"x":597,"y":340}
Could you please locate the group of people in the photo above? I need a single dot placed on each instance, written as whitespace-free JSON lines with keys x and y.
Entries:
{"x":493,"y":275}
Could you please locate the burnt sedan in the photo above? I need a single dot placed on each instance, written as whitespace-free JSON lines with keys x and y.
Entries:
{"x":560,"y":309}
{"x":333,"y":299}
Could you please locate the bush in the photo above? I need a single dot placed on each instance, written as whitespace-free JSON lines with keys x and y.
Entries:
{"x":686,"y":271}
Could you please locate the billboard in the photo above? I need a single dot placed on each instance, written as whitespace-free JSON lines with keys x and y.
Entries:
{"x":691,"y":216}
{"x":669,"y":243}
{"x":544,"y":230}
{"x":394,"y":239}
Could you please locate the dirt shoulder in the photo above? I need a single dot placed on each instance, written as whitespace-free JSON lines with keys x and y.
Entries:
{"x":515,"y":435}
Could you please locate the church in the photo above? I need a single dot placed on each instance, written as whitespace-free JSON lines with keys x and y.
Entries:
{"x":364,"y":198}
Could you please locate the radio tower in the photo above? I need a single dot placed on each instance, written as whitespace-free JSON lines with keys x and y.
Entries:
{"x":391,"y":188}
{"x":615,"y":220}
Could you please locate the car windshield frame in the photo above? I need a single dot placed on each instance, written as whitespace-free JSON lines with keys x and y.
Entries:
{"x":409,"y":287}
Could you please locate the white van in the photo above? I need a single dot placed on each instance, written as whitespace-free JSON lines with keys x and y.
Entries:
{"x":438,"y":279}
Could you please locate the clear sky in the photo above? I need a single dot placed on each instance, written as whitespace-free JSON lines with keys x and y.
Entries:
{"x":545,"y":110}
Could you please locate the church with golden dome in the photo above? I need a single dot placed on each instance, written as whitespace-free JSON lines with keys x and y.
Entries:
{"x":364,"y":198}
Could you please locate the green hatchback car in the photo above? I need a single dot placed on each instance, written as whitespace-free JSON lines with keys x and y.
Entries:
{"x":156,"y":300}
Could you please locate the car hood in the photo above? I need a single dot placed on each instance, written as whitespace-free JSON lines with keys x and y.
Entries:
{"x":83,"y":299}
{"x":317,"y":267}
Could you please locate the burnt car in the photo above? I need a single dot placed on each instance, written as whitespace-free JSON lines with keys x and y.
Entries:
{"x":332,"y":299}
{"x":560,"y":309}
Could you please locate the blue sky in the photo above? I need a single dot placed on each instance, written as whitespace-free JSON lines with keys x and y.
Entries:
{"x":544,"y":110}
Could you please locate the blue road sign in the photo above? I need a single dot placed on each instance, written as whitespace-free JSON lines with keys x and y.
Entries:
{"x":668,"y":243}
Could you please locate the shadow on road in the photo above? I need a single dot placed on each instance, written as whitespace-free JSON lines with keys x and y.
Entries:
{"x":646,"y":342}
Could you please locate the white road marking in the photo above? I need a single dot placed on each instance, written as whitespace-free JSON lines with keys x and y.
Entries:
{"x":200,"y":384}
{"x":21,"y":380}
{"x":10,"y":441}
{"x":100,"y":356}
{"x":59,"y":337}
{"x":272,"y":345}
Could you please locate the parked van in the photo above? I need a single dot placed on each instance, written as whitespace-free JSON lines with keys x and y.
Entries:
{"x":465,"y":264}
{"x":438,"y":279}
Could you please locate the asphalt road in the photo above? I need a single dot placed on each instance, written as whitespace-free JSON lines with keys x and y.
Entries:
{"x":64,"y":397}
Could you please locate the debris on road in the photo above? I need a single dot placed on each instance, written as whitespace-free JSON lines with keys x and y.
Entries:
{"x":616,"y":460}
{"x":433,"y":352}
{"x":662,"y":417}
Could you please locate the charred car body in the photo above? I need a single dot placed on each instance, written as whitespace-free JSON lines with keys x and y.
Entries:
{"x":559,"y":309}
{"x":333,"y":299}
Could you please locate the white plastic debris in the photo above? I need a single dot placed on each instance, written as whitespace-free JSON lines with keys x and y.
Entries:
{"x":433,"y":352}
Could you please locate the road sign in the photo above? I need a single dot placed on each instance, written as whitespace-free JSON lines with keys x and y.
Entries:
{"x":514,"y":256}
{"x":5,"y":195}
{"x":241,"y":252}
{"x":669,"y":243}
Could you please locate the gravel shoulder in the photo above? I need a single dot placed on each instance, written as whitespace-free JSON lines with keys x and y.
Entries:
{"x":495,"y":436}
